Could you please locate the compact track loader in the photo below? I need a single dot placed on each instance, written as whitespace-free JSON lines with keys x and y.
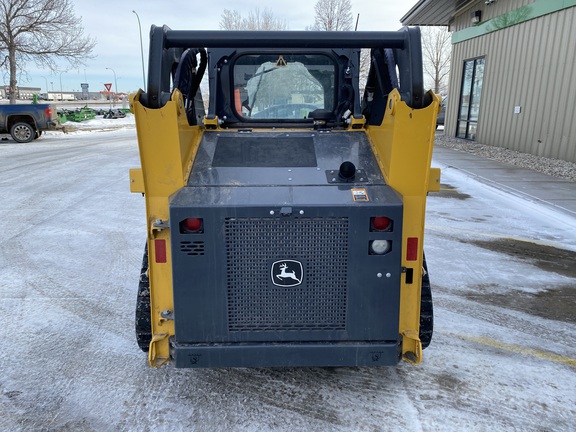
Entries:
{"x":285,"y":200}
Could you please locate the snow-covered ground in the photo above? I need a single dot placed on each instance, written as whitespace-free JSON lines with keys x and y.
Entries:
{"x":100,"y":124}
{"x":503,"y":355}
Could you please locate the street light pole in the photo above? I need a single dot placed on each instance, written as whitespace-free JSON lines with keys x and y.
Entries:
{"x":115,"y":82}
{"x":61,"y":96}
{"x":47,"y":89}
{"x":141,"y":50}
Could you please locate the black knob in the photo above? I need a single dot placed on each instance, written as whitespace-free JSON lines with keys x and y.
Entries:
{"x":347,"y":171}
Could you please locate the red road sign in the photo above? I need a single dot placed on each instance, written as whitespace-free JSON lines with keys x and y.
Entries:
{"x":108,"y":86}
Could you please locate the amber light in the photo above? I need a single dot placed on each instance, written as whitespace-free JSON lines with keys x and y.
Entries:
{"x":381,"y":223}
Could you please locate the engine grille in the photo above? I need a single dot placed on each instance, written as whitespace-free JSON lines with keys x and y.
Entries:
{"x":319,"y":303}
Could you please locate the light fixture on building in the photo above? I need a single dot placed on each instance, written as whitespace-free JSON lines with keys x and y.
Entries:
{"x":489,"y":2}
{"x":476,"y":16}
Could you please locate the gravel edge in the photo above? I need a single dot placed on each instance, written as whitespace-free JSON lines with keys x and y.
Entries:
{"x":553,"y":167}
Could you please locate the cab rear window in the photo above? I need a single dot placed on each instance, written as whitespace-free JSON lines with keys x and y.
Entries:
{"x":283,"y":86}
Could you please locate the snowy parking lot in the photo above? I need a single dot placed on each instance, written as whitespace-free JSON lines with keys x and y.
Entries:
{"x":503,"y":355}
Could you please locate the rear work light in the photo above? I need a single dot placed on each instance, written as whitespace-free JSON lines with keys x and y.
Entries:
{"x":380,"y":247}
{"x":191,"y":225}
{"x":380,"y":223}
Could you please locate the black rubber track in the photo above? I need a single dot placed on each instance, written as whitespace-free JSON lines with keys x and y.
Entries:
{"x":143,"y":323}
{"x":426,"y":309}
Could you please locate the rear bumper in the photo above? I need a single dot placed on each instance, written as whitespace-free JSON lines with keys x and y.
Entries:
{"x":306,"y":354}
{"x":55,"y":125}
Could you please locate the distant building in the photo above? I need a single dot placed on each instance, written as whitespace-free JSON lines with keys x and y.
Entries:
{"x":22,"y":93}
{"x":513,"y":72}
{"x":26,"y":93}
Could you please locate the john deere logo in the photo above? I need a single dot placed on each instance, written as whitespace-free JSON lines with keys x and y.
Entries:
{"x":287,"y":273}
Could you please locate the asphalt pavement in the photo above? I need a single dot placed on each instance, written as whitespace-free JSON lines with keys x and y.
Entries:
{"x":525,"y":183}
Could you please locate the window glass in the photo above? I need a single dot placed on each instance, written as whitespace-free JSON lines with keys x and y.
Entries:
{"x":476,"y":89}
{"x":461,"y":133}
{"x":281,"y":86}
{"x":466,"y":89}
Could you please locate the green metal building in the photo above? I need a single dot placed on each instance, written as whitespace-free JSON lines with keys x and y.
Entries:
{"x":513,"y":78}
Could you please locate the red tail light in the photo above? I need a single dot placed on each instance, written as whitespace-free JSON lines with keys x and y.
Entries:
{"x":381,"y":223}
{"x":191,"y":225}
{"x":48,"y":111}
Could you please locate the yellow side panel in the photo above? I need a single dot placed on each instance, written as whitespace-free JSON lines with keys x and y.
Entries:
{"x":136,"y":181}
{"x":168,"y":146}
{"x":403,"y":147}
{"x":434,"y":180}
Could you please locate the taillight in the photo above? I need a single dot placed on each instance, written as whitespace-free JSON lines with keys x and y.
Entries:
{"x":380,"y":223}
{"x":381,"y":246}
{"x":48,"y":112}
{"x":191,"y":225}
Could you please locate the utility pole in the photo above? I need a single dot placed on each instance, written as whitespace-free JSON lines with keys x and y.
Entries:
{"x":115,"y":84}
{"x":61,"y":96}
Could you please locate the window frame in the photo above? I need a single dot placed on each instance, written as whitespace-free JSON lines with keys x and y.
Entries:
{"x":464,"y":120}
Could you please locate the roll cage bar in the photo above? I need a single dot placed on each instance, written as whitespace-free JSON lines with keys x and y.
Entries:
{"x":396,"y":58}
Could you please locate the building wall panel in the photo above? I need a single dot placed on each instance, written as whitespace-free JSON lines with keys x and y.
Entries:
{"x":498,"y":8}
{"x":531,"y":65}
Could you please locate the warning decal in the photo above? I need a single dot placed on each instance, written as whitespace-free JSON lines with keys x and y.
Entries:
{"x":359,"y":194}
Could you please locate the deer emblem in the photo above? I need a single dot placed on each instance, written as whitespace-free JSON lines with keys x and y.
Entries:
{"x":287,"y":274}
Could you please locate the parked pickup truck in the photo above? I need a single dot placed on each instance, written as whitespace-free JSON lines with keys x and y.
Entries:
{"x":27,"y":122}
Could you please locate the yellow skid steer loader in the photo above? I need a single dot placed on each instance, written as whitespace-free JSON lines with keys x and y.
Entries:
{"x":285,"y":199}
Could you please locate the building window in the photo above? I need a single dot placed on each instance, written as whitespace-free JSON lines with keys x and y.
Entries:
{"x":470,"y":98}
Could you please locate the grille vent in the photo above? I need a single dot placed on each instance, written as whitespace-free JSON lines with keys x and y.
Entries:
{"x":255,"y":304}
{"x":194,"y":248}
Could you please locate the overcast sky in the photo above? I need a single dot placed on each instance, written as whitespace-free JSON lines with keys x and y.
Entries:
{"x":115,"y":27}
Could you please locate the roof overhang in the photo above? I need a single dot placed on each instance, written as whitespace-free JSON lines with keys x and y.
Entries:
{"x":434,"y":12}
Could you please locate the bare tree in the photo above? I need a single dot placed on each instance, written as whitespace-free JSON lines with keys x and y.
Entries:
{"x":43,"y":31}
{"x":365,"y":60}
{"x":436,"y":52}
{"x":256,"y":20}
{"x":231,"y":20}
{"x":333,"y":15}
